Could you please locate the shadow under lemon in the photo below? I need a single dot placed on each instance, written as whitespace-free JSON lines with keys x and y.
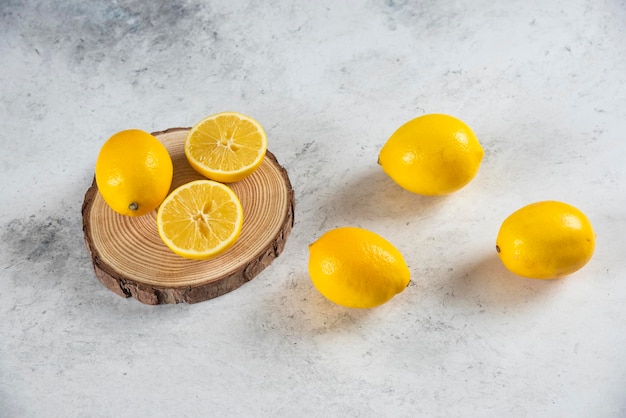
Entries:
{"x":489,"y":285}
{"x":371,"y":195}
{"x":297,"y":308}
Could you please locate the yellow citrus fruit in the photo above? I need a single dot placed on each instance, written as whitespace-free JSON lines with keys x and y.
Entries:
{"x":432,"y":155}
{"x":200,"y":219}
{"x":545,"y":240}
{"x":133,"y":172}
{"x":357,"y":268}
{"x":226,"y":147}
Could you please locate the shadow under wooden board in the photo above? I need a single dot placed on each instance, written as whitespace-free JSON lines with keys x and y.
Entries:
{"x":130,"y":259}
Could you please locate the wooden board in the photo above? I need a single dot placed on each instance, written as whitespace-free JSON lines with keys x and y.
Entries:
{"x":130,"y":259}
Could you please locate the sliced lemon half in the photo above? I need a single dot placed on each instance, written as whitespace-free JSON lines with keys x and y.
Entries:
{"x":200,"y":220}
{"x":226,"y":147}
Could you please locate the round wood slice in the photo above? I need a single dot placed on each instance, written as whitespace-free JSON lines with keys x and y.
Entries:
{"x":130,"y":259}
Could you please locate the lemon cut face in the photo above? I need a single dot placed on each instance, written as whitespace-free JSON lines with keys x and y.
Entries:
{"x":545,"y":240}
{"x":432,"y":155}
{"x":357,"y":268}
{"x":200,"y":220}
{"x":226,"y":147}
{"x":133,"y":172}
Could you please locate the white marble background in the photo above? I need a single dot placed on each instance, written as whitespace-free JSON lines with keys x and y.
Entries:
{"x":543,"y":85}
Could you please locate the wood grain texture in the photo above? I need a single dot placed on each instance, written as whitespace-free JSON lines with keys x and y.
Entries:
{"x":130,"y":259}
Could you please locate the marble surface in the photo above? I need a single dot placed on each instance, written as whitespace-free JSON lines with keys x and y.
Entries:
{"x":543,"y":85}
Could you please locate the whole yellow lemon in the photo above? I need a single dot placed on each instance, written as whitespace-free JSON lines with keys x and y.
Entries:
{"x":133,"y":172}
{"x":545,"y":240}
{"x":432,"y":155}
{"x":357,"y":268}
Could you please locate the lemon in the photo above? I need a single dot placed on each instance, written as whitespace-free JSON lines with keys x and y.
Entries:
{"x":133,"y":172}
{"x":357,"y":268}
{"x":226,"y":147}
{"x":200,"y":219}
{"x":431,"y":155}
{"x":545,"y":240}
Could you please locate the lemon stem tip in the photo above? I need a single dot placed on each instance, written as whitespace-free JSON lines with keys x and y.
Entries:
{"x":133,"y":206}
